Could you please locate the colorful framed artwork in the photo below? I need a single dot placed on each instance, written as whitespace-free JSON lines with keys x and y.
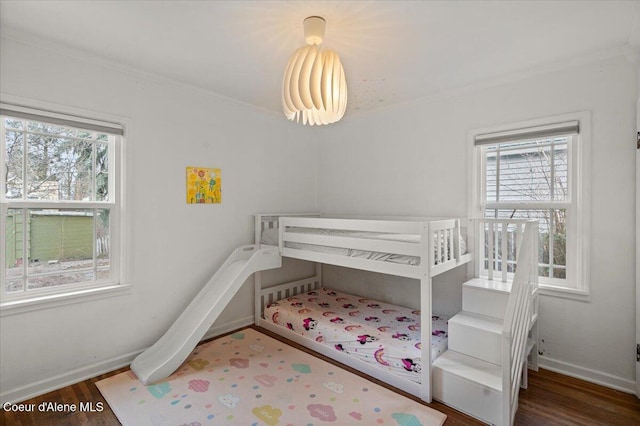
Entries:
{"x":204,"y":185}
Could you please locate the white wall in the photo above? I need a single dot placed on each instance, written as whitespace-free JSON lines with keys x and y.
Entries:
{"x":175,"y":247}
{"x":412,"y":160}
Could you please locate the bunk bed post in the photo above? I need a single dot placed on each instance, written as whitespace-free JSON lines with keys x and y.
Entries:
{"x":456,"y":240}
{"x":481,"y":252}
{"x":427,"y":244}
{"x":257,"y":297}
{"x":280,"y":236}
{"x":319,"y":273}
{"x":257,"y":228}
{"x":473,"y":245}
{"x":257,"y":277}
{"x":491,"y":235}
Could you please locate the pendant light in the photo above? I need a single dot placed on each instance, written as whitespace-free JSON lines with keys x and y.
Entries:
{"x":314,"y":88}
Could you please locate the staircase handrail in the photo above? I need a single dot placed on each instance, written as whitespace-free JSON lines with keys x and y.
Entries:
{"x":518,"y":319}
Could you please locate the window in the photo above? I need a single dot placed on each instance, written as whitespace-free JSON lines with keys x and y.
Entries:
{"x":537,"y":172}
{"x":60,"y":203}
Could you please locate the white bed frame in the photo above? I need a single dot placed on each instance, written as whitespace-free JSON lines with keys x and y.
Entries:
{"x":438,"y":237}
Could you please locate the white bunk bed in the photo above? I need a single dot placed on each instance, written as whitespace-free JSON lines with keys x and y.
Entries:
{"x":418,"y":248}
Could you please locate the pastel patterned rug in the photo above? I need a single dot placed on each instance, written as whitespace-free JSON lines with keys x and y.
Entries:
{"x":248,"y":378}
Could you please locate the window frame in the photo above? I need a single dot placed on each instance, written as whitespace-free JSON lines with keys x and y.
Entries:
{"x":116,"y":284}
{"x":577,"y":284}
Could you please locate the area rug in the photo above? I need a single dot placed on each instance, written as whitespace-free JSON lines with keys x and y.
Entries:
{"x":248,"y":378}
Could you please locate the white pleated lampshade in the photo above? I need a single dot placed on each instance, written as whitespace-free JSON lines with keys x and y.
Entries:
{"x":314,"y":88}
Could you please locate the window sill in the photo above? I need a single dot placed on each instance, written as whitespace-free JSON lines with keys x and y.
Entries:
{"x":564,"y":292}
{"x":16,"y":307}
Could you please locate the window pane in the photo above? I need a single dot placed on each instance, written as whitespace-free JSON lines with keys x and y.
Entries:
{"x":60,"y":247}
{"x":50,"y":129}
{"x":14,"y":147}
{"x":559,"y":236}
{"x":60,"y":240}
{"x":490,"y":175}
{"x":527,"y":171}
{"x":543,"y":272}
{"x":13,"y":123}
{"x":102,"y":172}
{"x":13,"y":250}
{"x":103,"y":274}
{"x":84,"y":134}
{"x":561,"y":167}
{"x":59,"y":169}
{"x":42,"y":281}
{"x":560,"y":273}
{"x":103,"y":243}
{"x":14,"y":286}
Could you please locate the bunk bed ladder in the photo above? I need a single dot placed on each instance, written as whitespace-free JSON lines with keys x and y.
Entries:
{"x":517,"y":322}
{"x":489,"y":340}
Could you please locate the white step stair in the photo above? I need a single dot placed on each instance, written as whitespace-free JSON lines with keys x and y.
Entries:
{"x":478,"y":336}
{"x":471,"y":374}
{"x":469,"y":385}
{"x":486,"y":297}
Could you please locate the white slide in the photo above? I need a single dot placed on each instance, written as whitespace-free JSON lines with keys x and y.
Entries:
{"x":168,"y":353}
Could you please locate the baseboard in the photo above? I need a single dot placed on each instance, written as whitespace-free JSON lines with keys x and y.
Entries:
{"x":69,"y":378}
{"x":78,"y":375}
{"x":586,"y":374}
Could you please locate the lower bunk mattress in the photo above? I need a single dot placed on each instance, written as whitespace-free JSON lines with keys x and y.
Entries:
{"x":375,"y":332}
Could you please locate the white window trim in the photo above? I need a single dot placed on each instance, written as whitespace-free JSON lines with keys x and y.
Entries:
{"x":70,"y":297}
{"x":581,"y":161}
{"x":120,"y":284}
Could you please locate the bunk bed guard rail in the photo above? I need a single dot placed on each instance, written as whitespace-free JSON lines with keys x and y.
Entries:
{"x":411,"y":243}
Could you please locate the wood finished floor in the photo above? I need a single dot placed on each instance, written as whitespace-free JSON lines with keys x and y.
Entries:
{"x":551,"y":399}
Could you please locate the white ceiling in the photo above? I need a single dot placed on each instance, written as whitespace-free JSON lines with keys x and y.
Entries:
{"x":392,"y":51}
